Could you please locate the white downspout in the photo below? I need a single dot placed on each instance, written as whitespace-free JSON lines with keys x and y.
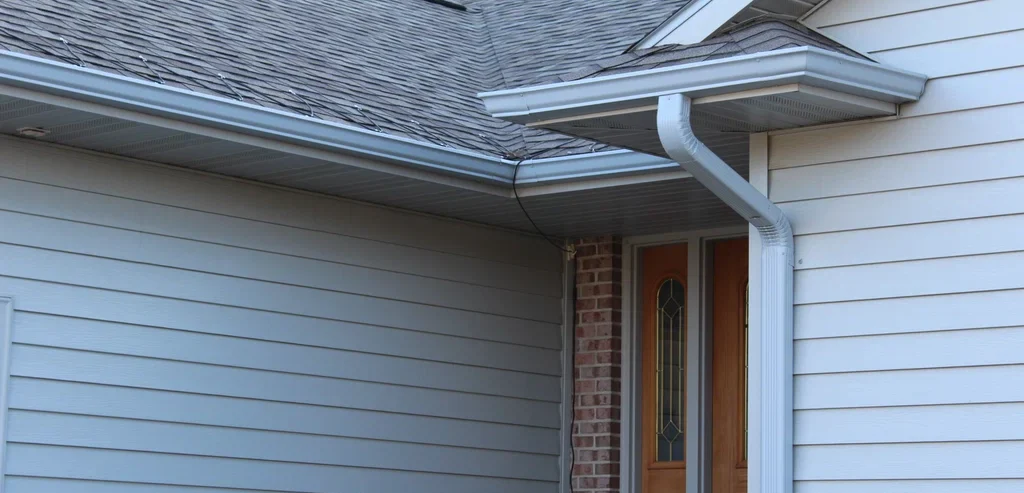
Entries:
{"x":775,"y":417}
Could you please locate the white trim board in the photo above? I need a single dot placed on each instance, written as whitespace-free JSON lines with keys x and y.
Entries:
{"x":693,"y":23}
{"x":566,"y":460}
{"x":758,"y":173}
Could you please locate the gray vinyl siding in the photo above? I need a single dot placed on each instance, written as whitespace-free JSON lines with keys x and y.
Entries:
{"x":177,"y":330}
{"x":909,"y":319}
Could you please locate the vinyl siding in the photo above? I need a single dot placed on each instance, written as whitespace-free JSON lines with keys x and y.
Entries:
{"x":175,"y":331}
{"x":909,"y":324}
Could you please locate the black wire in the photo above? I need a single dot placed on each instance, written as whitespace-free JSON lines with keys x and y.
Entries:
{"x":515,"y":191}
{"x":572,"y":325}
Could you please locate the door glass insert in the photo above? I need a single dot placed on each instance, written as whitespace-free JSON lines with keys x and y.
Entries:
{"x":670,"y":371}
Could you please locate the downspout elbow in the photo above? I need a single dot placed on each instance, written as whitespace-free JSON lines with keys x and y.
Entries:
{"x":773,"y":471}
{"x":683,"y":146}
{"x":777,"y":234}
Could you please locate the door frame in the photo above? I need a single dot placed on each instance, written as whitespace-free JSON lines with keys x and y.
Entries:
{"x":698,"y":358}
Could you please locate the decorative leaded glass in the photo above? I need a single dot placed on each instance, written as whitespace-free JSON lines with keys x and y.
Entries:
{"x":670,"y":371}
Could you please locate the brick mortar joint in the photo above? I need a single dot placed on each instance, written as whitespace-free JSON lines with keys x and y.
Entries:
{"x":597,"y":333}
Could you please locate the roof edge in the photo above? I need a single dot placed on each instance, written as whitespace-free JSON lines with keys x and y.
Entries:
{"x":618,"y":164}
{"x":805,"y":65}
{"x":64,"y":85}
{"x":149,"y":98}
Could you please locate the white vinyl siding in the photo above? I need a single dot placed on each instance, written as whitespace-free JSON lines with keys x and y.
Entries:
{"x":177,"y":330}
{"x":909,"y":318}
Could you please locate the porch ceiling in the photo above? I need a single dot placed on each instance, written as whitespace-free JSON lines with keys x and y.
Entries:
{"x":718,"y":119}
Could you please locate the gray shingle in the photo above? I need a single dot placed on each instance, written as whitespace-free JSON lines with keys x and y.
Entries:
{"x":754,"y":36}
{"x":538,"y":39}
{"x":398,"y":61}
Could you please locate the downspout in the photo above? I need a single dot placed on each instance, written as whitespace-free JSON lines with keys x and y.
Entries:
{"x":775,"y":415}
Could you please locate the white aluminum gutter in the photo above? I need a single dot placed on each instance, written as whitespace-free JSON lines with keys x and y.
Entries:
{"x":775,"y":417}
{"x":53,"y":82}
{"x":800,"y":65}
{"x":149,"y":98}
{"x":581,"y":167}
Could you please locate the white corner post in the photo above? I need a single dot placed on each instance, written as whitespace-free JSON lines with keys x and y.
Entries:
{"x":775,"y":416}
{"x":6,"y":328}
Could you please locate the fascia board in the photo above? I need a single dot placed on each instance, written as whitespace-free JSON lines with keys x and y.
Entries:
{"x":693,"y":23}
{"x":806,"y":65}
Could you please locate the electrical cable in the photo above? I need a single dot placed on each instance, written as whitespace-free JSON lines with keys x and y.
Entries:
{"x":515,"y":191}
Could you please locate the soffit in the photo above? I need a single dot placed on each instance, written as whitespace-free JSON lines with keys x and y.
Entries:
{"x":666,"y":201}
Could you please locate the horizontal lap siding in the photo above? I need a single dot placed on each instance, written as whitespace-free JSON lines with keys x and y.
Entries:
{"x":909,"y":249}
{"x":913,"y":486}
{"x":174,"y":330}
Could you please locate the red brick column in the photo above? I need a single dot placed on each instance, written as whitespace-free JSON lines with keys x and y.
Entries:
{"x":598,"y":371}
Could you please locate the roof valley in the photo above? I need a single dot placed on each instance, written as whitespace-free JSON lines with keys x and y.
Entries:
{"x":404,"y":67}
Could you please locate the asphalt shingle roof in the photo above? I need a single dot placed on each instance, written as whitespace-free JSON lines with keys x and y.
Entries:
{"x":537,"y":39}
{"x":755,"y":36}
{"x":398,"y":60}
{"x":405,"y":67}
{"x":412,"y":67}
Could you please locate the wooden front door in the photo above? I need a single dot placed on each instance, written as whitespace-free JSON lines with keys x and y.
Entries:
{"x":664,"y":303}
{"x":729,"y":366}
{"x":663,"y":422}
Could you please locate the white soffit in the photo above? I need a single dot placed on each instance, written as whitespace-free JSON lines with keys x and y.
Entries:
{"x":800,"y":93}
{"x":720,"y":116}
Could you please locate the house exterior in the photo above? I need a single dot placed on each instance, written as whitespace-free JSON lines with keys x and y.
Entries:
{"x":698,"y":246}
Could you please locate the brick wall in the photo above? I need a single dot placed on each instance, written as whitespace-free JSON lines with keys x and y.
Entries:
{"x":597,"y":404}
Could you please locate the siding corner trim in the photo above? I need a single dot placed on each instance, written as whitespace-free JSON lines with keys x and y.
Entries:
{"x":6,"y":328}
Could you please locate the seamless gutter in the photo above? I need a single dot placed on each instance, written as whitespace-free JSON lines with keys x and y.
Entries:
{"x":105,"y":89}
{"x":804,"y":65}
{"x":154,"y":99}
{"x":455,"y":166}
